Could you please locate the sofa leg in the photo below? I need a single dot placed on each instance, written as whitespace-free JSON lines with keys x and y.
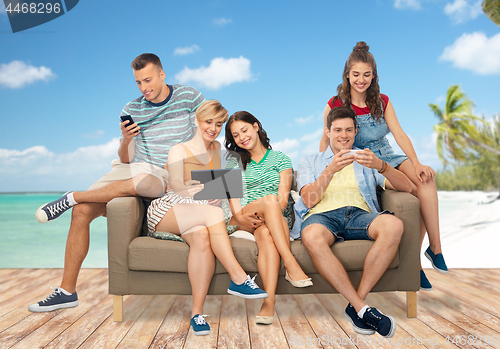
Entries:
{"x":411,"y":303}
{"x":117,"y":308}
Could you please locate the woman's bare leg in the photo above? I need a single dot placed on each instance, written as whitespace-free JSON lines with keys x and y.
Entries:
{"x":427,"y":194}
{"x":201,"y":267}
{"x":268,"y":264}
{"x":185,"y":217}
{"x":268,"y":207}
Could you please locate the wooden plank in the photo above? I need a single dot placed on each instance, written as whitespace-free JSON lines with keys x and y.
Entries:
{"x":323,"y":324}
{"x":460,"y":290}
{"x":15,"y":308}
{"x":34,"y":279}
{"x":144,"y":329}
{"x":416,"y":331}
{"x":92,"y":292}
{"x":233,"y":326}
{"x":6,"y":271}
{"x":80,"y":330}
{"x":264,"y":336}
{"x":475,"y":330}
{"x":480,"y":279}
{"x":295,"y":325}
{"x":212,"y":308}
{"x":18,"y":277}
{"x":442,"y":326}
{"x":482,"y":316}
{"x":175,"y":327}
{"x":110,"y":333}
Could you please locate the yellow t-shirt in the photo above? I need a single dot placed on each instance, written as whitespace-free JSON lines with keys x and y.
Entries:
{"x":342,"y":191}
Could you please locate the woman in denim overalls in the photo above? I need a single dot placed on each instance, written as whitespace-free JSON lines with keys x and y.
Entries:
{"x":376,"y":118}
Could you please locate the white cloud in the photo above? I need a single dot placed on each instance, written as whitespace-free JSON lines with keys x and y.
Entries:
{"x":287,"y":146}
{"x":38,"y":169}
{"x":181,"y":51}
{"x":95,"y":134}
{"x":306,"y":120}
{"x":17,"y":74}
{"x":222,"y":21}
{"x":407,"y":4}
{"x":462,"y":11}
{"x":221,"y":72}
{"x":475,"y":52}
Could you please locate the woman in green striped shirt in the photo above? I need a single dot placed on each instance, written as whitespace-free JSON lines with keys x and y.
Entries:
{"x":267,"y":179}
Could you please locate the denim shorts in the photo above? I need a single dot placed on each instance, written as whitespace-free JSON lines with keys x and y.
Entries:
{"x":346,"y":223}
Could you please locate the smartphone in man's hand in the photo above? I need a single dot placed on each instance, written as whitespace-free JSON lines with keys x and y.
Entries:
{"x":129,"y":119}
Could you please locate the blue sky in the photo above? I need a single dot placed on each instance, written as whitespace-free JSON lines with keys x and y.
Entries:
{"x":64,"y":83}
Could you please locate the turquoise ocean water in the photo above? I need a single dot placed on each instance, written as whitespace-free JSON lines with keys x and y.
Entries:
{"x":25,"y":243}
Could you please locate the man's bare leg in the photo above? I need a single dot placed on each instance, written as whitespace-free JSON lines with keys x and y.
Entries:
{"x":317,"y":240}
{"x":77,"y":243}
{"x":386,"y":230}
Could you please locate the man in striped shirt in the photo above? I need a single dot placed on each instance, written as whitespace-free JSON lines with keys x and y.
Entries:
{"x":162,"y":117}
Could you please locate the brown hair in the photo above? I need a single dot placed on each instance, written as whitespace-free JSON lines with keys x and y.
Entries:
{"x":142,"y":60}
{"x":230,"y":144}
{"x":373,"y":100}
{"x":211,"y":109}
{"x":343,"y":112}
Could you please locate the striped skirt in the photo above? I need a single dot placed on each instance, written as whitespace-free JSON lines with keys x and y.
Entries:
{"x":159,"y":207}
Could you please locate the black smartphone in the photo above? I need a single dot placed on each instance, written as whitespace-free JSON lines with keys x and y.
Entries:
{"x":129,"y":119}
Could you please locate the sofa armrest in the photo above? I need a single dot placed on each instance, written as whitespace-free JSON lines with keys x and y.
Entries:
{"x":125,"y":217}
{"x":406,"y":207}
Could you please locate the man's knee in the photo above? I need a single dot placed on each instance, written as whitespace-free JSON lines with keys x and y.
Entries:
{"x":88,"y":211}
{"x":148,"y":186}
{"x":314,"y":236}
{"x":388,"y":227}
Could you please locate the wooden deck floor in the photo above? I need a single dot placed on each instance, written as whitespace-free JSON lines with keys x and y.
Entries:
{"x":463,"y":308}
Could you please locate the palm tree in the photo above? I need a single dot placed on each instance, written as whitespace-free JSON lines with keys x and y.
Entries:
{"x":492,"y":9}
{"x":456,"y":130}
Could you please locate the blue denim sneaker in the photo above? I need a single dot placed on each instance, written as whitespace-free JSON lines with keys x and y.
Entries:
{"x":199,"y":325}
{"x":383,"y":324}
{"x":436,"y":260}
{"x":425,"y":285}
{"x":54,"y":209}
{"x":358,"y":324}
{"x":56,"y":300}
{"x":247,"y":289}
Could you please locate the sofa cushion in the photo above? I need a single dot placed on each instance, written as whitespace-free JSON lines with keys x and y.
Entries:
{"x":350,"y":253}
{"x":149,"y":254}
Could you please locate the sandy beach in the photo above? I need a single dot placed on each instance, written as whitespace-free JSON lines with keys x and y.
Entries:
{"x":470,"y":230}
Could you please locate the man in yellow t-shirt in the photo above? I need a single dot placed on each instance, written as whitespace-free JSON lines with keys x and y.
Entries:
{"x":338,"y":202}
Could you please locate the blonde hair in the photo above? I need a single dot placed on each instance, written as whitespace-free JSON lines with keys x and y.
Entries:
{"x":211,"y":109}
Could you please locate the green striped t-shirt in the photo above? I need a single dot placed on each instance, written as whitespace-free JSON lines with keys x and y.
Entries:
{"x":164,"y":124}
{"x":263,"y":178}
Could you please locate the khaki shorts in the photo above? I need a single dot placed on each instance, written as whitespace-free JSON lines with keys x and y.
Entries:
{"x":121,"y":172}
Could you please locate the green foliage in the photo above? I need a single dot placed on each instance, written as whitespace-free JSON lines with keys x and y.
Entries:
{"x":479,"y":169}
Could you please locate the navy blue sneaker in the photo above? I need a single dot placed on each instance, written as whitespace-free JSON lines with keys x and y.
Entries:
{"x":247,"y":289}
{"x":358,"y":324}
{"x":383,"y":324}
{"x":436,"y":260}
{"x":56,"y":300}
{"x":54,"y":209}
{"x":199,"y":325}
{"x":425,"y":285}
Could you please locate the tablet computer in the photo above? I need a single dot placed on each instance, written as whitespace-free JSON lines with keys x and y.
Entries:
{"x":219,"y":184}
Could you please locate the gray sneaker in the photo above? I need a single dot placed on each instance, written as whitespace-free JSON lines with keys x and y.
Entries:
{"x":56,"y":300}
{"x":54,"y":209}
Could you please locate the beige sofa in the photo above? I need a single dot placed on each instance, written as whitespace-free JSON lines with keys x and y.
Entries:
{"x":143,"y":265}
